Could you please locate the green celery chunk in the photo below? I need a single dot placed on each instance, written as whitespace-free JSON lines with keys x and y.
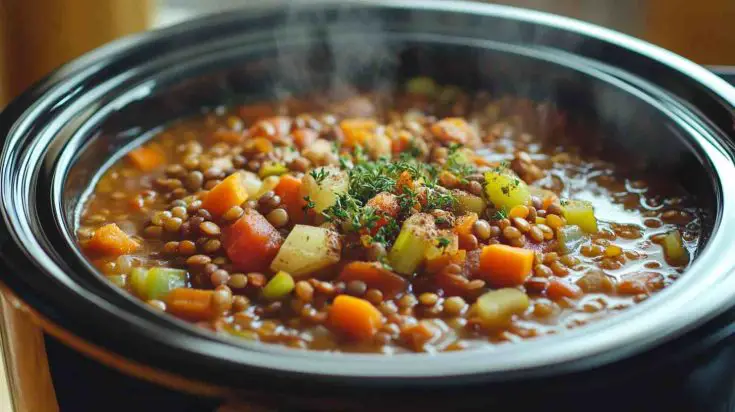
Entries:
{"x":580,"y":213}
{"x":157,"y":282}
{"x":279,"y":286}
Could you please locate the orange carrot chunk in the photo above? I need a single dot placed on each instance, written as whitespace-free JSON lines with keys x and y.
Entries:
{"x":304,"y":138}
{"x":356,"y":318}
{"x":190,"y":304}
{"x":375,"y":276}
{"x":251,"y":242}
{"x":289,"y":190}
{"x":147,"y":158}
{"x":464,"y":224}
{"x":356,"y":131}
{"x":558,"y":289}
{"x":111,"y":240}
{"x":504,"y":266}
{"x":228,"y":193}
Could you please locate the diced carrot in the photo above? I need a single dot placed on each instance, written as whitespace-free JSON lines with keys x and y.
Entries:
{"x":558,"y":289}
{"x":385,"y":202}
{"x":386,"y":206}
{"x":289,"y":190}
{"x":190,"y":304}
{"x":228,"y":193}
{"x":482,"y":161}
{"x":404,"y":180}
{"x":375,"y":276}
{"x":549,"y":200}
{"x":251,"y":242}
{"x":111,"y":240}
{"x":357,"y":130}
{"x":147,"y":158}
{"x":640,"y":282}
{"x":504,"y":265}
{"x":463,"y":226}
{"x":452,"y":129}
{"x":258,"y":145}
{"x":303,"y":138}
{"x":356,"y":318}
{"x":401,"y":143}
{"x":228,"y":136}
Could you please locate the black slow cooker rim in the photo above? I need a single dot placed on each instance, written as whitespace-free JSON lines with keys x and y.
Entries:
{"x":111,"y":53}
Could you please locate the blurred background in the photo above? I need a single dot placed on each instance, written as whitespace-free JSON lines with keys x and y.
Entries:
{"x":38,"y":35}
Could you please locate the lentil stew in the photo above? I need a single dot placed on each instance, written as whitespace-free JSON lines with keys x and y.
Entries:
{"x":448,"y":221}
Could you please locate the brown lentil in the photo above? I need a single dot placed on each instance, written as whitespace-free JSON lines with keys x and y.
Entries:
{"x":233,"y":213}
{"x":278,"y":217}
{"x":356,"y":288}
{"x":187,"y":247}
{"x":481,"y":229}
{"x":237,"y":281}
{"x":511,"y":233}
{"x":209,"y":228}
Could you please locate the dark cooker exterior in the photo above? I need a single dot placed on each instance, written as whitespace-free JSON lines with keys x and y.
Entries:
{"x":677,"y":374}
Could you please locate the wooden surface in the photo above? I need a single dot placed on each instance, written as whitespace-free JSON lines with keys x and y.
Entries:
{"x":26,"y":384}
{"x":39,"y":35}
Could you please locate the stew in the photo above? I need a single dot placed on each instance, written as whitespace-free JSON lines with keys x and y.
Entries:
{"x":431,"y":220}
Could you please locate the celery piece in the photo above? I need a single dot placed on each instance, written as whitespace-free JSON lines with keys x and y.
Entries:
{"x":157,"y":282}
{"x":272,"y":169}
{"x":580,"y":213}
{"x":505,"y":190}
{"x":279,"y":286}
{"x":569,"y":237}
{"x":496,"y":308}
{"x":409,"y":249}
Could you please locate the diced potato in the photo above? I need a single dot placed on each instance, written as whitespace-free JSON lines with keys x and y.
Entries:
{"x":324,"y":193}
{"x":320,"y":152}
{"x":580,"y":213}
{"x":279,"y":286}
{"x":306,"y":250}
{"x":469,"y":203}
{"x":157,"y":282}
{"x":252,"y":184}
{"x":674,"y":251}
{"x":434,"y":251}
{"x":378,"y":145}
{"x":409,"y":249}
{"x":505,"y":189}
{"x":496,"y":308}
{"x":569,"y":237}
